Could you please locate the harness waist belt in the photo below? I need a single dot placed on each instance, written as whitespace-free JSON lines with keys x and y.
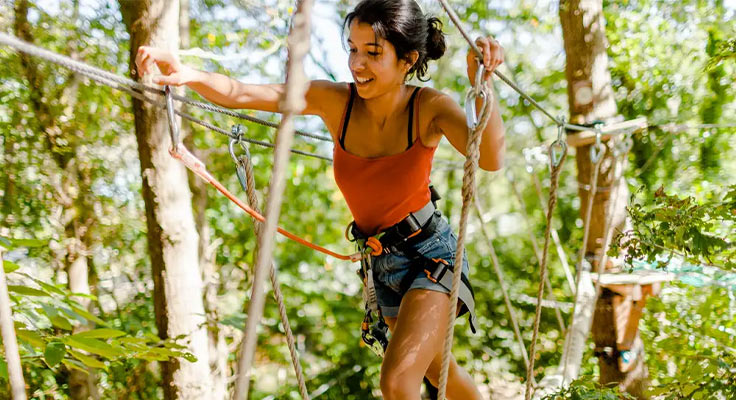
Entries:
{"x":410,"y":227}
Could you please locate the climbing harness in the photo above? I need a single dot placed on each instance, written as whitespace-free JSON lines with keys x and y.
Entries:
{"x":401,"y":237}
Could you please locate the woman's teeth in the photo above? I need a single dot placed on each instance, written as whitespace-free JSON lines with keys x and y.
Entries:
{"x":363,"y":81}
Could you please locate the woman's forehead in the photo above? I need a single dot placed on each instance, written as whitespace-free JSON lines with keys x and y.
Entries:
{"x":362,"y":33}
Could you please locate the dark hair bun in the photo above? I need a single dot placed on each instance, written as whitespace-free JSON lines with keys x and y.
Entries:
{"x":435,"y":39}
{"x":402,"y":23}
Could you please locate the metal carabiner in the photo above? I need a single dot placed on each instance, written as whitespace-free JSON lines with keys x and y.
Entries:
{"x":598,"y":149}
{"x":170,"y":115}
{"x":559,"y":147}
{"x":478,"y":90}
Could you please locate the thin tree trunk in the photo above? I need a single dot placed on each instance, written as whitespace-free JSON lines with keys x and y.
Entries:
{"x":590,"y":98}
{"x":10,"y":344}
{"x":172,"y":237}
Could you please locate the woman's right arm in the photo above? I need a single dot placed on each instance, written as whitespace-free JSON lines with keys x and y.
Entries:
{"x":230,"y":93}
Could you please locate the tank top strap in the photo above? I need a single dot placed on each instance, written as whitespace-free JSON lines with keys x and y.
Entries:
{"x":346,"y":116}
{"x":411,"y":118}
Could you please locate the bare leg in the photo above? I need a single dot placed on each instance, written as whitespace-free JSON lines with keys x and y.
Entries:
{"x":416,"y":347}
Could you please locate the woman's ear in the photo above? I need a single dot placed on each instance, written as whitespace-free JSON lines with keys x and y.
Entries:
{"x":410,"y":59}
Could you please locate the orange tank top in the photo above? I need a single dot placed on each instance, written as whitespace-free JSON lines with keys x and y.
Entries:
{"x":382,"y":191}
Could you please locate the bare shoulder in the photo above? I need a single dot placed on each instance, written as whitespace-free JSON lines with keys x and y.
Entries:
{"x":327,"y":99}
{"x":436,"y":109}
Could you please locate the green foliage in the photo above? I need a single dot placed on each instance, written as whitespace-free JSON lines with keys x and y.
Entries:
{"x":46,"y":317}
{"x":726,"y":51}
{"x":587,"y":388}
{"x":701,"y":232}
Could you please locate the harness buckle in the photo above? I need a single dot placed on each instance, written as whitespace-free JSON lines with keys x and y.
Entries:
{"x":440,"y":268}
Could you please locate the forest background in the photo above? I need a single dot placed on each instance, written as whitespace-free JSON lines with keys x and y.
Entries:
{"x":71,"y":198}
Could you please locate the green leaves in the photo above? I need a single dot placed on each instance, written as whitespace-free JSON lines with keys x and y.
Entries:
{"x":9,"y":266}
{"x":54,"y":353}
{"x":702,"y":232}
{"x":103,"y":333}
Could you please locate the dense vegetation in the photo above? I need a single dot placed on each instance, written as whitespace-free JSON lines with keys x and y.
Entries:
{"x":71,"y":186}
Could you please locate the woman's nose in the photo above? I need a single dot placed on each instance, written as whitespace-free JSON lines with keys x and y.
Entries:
{"x":356,"y":63}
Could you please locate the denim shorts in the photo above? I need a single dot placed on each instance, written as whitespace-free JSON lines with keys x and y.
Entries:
{"x":390,"y":269}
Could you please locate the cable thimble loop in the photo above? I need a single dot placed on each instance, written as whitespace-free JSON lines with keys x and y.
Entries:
{"x":598,"y":149}
{"x":173,"y":126}
{"x":239,"y":161}
{"x":478,"y":90}
{"x":559,"y":147}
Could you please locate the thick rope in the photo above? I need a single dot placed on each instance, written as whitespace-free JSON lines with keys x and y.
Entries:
{"x":558,"y":121}
{"x":554,"y":182}
{"x":292,"y":103}
{"x":581,"y":255}
{"x":253,"y":201}
{"x":502,"y":282}
{"x":555,"y":238}
{"x":468,"y":191}
{"x":535,"y":247}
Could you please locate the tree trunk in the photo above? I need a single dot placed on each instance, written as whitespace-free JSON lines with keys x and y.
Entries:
{"x":218,"y":349}
{"x":172,"y":238}
{"x":590,"y":98}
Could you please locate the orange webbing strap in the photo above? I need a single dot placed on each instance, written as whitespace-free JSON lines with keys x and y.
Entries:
{"x":195,"y":165}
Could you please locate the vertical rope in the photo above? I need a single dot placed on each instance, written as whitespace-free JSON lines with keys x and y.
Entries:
{"x":554,"y":182}
{"x":555,"y":238}
{"x":291,"y":104}
{"x":10,"y":344}
{"x":468,"y":191}
{"x":618,"y":173}
{"x":581,"y":255}
{"x":253,"y":202}
{"x":535,"y":247}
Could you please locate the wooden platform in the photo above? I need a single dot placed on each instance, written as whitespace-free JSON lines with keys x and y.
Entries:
{"x":577,"y":139}
{"x":634,"y":278}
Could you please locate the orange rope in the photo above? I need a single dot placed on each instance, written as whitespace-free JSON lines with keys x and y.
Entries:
{"x":195,"y":165}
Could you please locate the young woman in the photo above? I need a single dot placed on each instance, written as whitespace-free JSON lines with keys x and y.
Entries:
{"x":385,"y":135}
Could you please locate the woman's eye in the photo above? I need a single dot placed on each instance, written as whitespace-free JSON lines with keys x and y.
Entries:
{"x":373,"y":53}
{"x":353,"y":50}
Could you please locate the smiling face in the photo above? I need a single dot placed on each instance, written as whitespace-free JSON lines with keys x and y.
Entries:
{"x":373,"y":62}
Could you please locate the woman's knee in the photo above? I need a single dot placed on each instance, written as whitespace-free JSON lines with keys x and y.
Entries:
{"x":396,"y":386}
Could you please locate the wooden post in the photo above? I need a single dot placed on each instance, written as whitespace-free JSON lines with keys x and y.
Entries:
{"x":591,"y":98}
{"x":12,"y":357}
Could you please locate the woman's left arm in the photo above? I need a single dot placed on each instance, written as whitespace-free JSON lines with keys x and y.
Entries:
{"x":449,"y":118}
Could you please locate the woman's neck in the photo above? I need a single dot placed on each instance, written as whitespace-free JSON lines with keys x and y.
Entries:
{"x":386,"y":106}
